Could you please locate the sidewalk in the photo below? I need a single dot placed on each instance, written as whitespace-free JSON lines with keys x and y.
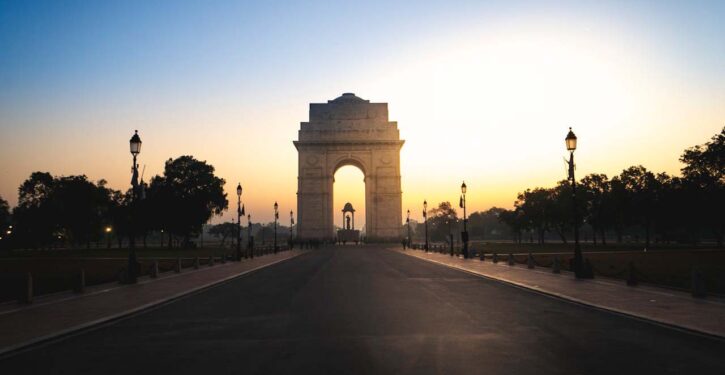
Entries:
{"x":25,"y":325}
{"x":668,"y":307}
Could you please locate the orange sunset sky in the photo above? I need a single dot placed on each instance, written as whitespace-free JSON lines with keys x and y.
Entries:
{"x":481,"y":92}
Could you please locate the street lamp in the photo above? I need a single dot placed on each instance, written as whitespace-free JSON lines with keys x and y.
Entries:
{"x":239,"y":222}
{"x":464,"y":235}
{"x":291,"y":224}
{"x":250,"y":244}
{"x":407,"y":222}
{"x":425,"y":220}
{"x":276,"y":216}
{"x":135,"y":148}
{"x":108,"y":230}
{"x":579,"y":270}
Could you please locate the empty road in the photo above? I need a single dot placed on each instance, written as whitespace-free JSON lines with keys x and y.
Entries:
{"x":349,"y":310}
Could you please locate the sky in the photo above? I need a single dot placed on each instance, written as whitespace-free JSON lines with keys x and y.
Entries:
{"x":483,"y":91}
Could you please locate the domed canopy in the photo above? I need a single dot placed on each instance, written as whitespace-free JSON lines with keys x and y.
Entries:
{"x":348,"y":97}
{"x":348,"y":208}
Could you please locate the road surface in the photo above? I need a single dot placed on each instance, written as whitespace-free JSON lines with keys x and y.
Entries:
{"x":367,"y":310}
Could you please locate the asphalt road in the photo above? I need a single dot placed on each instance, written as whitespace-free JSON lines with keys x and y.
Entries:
{"x":366,"y":310}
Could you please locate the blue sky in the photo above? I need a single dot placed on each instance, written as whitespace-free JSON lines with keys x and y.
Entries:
{"x":76,"y":77}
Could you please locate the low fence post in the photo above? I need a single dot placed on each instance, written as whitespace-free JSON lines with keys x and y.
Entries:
{"x":196,"y":263}
{"x":530,"y":262}
{"x":224,"y":258}
{"x":211,"y":260}
{"x":482,"y":256}
{"x":494,"y":258}
{"x":556,"y":266}
{"x":698,"y":283}
{"x":81,"y":286}
{"x":27,"y":296}
{"x":632,"y":275}
{"x":511,"y":259}
{"x":154,"y":269}
{"x":177,"y":266}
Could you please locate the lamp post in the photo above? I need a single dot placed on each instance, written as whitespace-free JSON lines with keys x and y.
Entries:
{"x":291,"y":224}
{"x":425,"y":220}
{"x":250,"y":244}
{"x":108,"y":236}
{"x":135,"y":147}
{"x":239,"y":222}
{"x":407,"y":223}
{"x":579,"y":271}
{"x":464,"y":235}
{"x":276,"y":216}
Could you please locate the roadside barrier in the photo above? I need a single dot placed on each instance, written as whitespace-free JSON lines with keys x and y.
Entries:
{"x":24,"y":287}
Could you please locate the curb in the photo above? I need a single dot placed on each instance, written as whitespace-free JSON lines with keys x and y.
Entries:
{"x":9,"y":351}
{"x":579,"y":302}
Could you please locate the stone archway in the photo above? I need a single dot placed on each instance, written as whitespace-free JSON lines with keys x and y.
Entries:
{"x":349,"y":131}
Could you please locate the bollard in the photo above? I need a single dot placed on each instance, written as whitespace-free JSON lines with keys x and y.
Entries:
{"x":494,"y":258}
{"x":224,"y":258}
{"x":482,"y":256}
{"x":632,"y":275}
{"x":81,"y":282}
{"x":556,"y":267}
{"x":511,"y":260}
{"x":27,"y":297}
{"x":530,"y":262}
{"x":154,"y":271}
{"x":196,"y":263}
{"x":177,"y":266}
{"x":211,"y":260}
{"x":698,"y":284}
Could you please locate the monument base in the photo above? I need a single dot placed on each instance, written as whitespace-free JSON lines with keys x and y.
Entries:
{"x":348,"y":235}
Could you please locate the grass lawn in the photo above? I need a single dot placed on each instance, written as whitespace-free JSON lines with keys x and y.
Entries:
{"x":58,"y":270}
{"x":668,"y":266}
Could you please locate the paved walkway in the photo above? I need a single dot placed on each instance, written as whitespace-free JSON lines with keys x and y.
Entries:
{"x":673,"y":308}
{"x":24,"y":325}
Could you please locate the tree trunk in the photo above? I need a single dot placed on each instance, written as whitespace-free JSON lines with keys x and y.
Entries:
{"x":619,"y":234}
{"x":646,"y":233}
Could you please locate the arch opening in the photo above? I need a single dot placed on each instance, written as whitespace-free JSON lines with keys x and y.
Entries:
{"x":349,"y":187}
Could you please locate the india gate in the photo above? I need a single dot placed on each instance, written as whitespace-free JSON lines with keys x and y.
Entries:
{"x":349,"y":131}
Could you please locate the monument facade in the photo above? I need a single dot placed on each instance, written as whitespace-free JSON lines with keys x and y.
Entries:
{"x":349,"y":131}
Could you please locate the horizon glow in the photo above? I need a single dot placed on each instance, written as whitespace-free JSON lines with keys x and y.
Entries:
{"x":481,"y":92}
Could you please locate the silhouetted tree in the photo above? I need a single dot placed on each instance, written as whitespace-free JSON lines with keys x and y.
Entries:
{"x":704,"y":171}
{"x":4,"y":213}
{"x":442,"y":221}
{"x":186,"y":196}
{"x":534,"y":206}
{"x":486,"y":224}
{"x":70,"y":209}
{"x":224,"y":230}
{"x":642,"y":189}
{"x":516,"y":222}
{"x":35,"y":219}
{"x":595,"y":190}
